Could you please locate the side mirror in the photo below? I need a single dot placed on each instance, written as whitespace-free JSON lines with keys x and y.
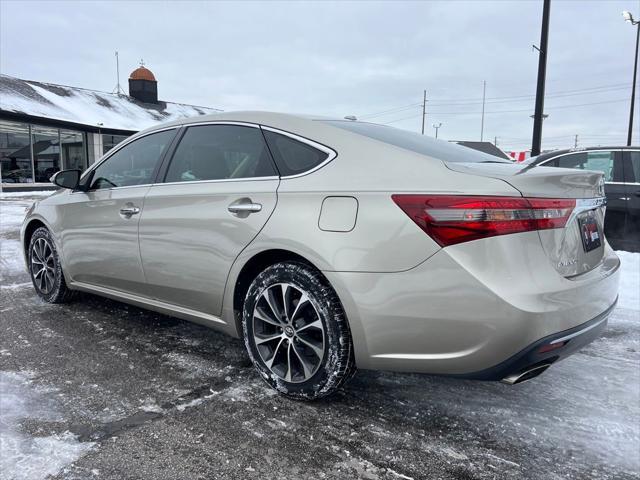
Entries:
{"x":66,"y":178}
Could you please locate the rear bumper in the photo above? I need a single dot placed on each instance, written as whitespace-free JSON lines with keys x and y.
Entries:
{"x":547,"y":350}
{"x":473,"y":308}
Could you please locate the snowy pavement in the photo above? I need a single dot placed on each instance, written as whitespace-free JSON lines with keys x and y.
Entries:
{"x":98,"y":389}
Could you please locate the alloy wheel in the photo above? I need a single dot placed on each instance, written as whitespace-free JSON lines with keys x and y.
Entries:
{"x":288,"y":332}
{"x":43,"y":267}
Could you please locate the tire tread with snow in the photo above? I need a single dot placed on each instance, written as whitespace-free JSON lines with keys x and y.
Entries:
{"x":59,"y":292}
{"x":337,"y":365}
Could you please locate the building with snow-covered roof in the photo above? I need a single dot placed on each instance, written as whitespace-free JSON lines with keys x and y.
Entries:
{"x":46,"y":127}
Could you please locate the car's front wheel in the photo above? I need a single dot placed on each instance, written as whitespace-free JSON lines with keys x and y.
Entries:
{"x":45,"y":268}
{"x":296,"y":332}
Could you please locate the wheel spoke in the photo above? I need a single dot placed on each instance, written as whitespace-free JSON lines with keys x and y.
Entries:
{"x":303,"y":299}
{"x":267,"y":295}
{"x":287,"y":377}
{"x":317,"y":350}
{"x":314,"y":324}
{"x":268,"y":338}
{"x":269,"y":362}
{"x":42,"y":280}
{"x":284,"y":287}
{"x":260,"y":315}
{"x":303,"y":362}
{"x":48,"y":281}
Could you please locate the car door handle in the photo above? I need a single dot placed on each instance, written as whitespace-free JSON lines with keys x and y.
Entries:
{"x":129,"y":210}
{"x":245,"y":207}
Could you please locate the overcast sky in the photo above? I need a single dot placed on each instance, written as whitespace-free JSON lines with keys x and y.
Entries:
{"x":343,"y":58}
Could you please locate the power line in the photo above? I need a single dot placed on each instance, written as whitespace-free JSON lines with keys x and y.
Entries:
{"x":559,"y":107}
{"x":504,"y":99}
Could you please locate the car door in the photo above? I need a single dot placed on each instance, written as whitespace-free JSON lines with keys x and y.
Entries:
{"x":632,"y":185}
{"x":99,"y":234}
{"x":610,"y":163}
{"x":218,"y":191}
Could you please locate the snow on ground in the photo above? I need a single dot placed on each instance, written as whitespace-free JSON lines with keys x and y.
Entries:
{"x":584,"y":409}
{"x":24,"y":456}
{"x":629,"y":281}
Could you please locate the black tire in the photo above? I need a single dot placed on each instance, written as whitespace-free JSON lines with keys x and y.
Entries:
{"x":321,"y":302}
{"x":42,"y":248}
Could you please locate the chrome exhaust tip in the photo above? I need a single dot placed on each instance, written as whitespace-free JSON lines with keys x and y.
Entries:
{"x":525,"y":375}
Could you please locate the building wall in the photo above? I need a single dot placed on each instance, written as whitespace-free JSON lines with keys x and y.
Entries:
{"x":32,"y":152}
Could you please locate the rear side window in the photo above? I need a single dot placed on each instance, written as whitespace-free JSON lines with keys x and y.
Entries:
{"x":133,"y":164}
{"x":292,"y":156}
{"x":220,"y":152}
{"x":598,"y":161}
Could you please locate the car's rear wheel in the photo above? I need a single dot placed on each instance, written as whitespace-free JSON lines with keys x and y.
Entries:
{"x":45,"y":268}
{"x":296,"y":332}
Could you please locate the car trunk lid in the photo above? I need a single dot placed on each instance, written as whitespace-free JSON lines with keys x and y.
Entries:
{"x":579,"y":246}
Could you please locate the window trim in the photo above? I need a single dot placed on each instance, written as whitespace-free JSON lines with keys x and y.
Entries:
{"x":121,"y":145}
{"x":331,"y":153}
{"x":615,"y":152}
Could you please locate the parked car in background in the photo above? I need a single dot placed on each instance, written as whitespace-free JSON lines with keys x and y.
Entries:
{"x":621,"y":168}
{"x":334,"y":244}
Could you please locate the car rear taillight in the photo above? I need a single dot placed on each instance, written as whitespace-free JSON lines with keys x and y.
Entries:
{"x":451,"y":219}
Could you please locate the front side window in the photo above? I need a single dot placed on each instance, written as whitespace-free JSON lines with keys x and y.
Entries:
{"x":220,"y":152}
{"x":292,"y":156}
{"x":598,"y":161}
{"x":133,"y":164}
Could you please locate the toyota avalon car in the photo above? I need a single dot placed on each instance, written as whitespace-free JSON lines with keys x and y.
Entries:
{"x":332,"y":244}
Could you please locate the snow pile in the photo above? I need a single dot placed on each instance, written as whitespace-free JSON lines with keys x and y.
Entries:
{"x":23,"y":456}
{"x":89,"y":107}
{"x":629,"y":281}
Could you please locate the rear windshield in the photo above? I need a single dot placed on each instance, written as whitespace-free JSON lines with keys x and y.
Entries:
{"x":445,"y":151}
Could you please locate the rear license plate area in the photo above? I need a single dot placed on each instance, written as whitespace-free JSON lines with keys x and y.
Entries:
{"x":589,"y":232}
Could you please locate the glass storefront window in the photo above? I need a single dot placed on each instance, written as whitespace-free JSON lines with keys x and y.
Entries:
{"x":46,"y":152}
{"x":110,"y":141}
{"x":74,"y":152}
{"x":15,"y":153}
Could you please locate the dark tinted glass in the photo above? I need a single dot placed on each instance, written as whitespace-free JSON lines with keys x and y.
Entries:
{"x":218,"y":152}
{"x":293,"y":157}
{"x":448,"y":152}
{"x":598,"y":161}
{"x":633,"y":175}
{"x":134,"y":163}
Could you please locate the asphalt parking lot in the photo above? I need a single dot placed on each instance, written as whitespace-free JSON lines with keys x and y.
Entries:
{"x":99,"y":389}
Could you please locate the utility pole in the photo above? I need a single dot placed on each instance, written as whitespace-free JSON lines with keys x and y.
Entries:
{"x":437,"y":126}
{"x":536,"y":143}
{"x":484,"y":91}
{"x":629,"y":18}
{"x":495,"y":141}
{"x":575,"y":142}
{"x":424,"y":110}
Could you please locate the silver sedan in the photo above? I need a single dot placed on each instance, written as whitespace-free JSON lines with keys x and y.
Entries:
{"x":334,"y":244}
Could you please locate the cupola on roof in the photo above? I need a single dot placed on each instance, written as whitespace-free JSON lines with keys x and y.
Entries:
{"x":142,"y":73}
